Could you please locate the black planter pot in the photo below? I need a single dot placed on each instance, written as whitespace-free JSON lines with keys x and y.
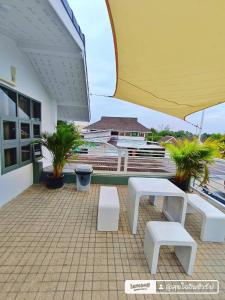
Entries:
{"x":183,"y":185}
{"x":55,"y":182}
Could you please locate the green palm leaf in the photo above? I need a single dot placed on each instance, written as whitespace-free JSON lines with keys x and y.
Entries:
{"x":192,"y":158}
{"x":60,"y":144}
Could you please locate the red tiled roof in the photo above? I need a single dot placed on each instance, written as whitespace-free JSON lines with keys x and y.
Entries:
{"x":118,"y":124}
{"x":168,"y":139}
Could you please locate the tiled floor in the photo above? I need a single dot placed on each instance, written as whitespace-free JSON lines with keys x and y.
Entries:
{"x":50,"y":249}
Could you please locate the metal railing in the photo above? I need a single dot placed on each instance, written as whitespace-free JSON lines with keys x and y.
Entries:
{"x":152,"y":162}
{"x":215,"y":188}
{"x":127,"y":161}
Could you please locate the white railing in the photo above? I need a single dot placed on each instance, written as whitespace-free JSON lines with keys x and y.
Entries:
{"x":215,"y":188}
{"x":123,"y":161}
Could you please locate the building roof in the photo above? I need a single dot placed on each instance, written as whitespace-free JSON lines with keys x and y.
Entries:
{"x":73,"y":19}
{"x":118,"y":124}
{"x":168,"y":139}
{"x":47,"y":33}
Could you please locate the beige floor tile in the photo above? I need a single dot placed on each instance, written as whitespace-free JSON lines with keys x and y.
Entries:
{"x":50,"y":249}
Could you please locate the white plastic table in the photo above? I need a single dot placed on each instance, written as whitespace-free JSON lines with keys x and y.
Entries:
{"x":175,"y":200}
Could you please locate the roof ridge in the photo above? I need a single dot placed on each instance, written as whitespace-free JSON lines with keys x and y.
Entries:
{"x":126,"y":124}
{"x":119,"y":117}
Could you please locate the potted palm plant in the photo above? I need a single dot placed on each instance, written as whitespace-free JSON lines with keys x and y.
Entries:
{"x":192,"y":159}
{"x":59,"y":145}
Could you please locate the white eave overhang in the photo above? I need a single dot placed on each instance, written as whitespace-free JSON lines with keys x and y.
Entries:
{"x":47,"y":32}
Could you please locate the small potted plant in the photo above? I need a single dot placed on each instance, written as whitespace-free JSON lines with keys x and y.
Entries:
{"x":59,"y":145}
{"x":192,"y":159}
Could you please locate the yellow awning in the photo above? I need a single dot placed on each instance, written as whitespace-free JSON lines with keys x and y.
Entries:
{"x":170,"y":54}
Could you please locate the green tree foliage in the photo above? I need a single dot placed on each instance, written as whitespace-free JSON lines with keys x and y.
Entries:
{"x":155,"y":135}
{"x":219,"y":139}
{"x":213,"y":136}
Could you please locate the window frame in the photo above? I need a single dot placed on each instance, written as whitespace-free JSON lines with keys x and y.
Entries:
{"x":18,"y":143}
{"x":18,"y":108}
{"x":32,"y":110}
{"x":30,"y":131}
{"x":25,"y":162}
{"x":134,"y":134}
{"x":32,"y":125}
{"x":14,"y":91}
{"x":13,"y":167}
{"x":10,"y":119}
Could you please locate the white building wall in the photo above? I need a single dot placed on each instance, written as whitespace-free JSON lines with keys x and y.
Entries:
{"x":27,"y":82}
{"x":97,"y":136}
{"x":131,"y":138}
{"x":15,"y":182}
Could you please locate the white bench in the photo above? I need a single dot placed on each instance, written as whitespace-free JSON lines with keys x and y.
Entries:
{"x":213,"y":225}
{"x":170,"y":234}
{"x":108,"y":209}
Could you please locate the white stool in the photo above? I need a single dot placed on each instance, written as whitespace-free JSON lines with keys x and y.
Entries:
{"x":108,"y":209}
{"x":170,"y":234}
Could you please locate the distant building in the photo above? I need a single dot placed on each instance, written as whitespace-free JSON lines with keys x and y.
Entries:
{"x":168,"y":139}
{"x":123,"y":133}
{"x":102,"y":136}
{"x":81,"y":125}
{"x":120,"y":127}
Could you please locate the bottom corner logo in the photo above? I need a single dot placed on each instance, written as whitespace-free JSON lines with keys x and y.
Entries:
{"x":140,"y":287}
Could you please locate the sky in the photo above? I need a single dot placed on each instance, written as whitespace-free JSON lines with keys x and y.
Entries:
{"x":92,"y":16}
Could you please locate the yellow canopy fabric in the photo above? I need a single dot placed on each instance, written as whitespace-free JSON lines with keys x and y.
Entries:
{"x":170,"y":54}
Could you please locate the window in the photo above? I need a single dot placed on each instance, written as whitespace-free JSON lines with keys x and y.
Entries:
{"x":36,"y":110}
{"x":114,"y":133}
{"x":36,"y":130}
{"x":25,"y":153}
{"x":9,"y":130}
{"x":7,"y":102}
{"x":24,"y":107}
{"x":25,"y":130}
{"x":10,"y":157}
{"x":134,"y":133}
{"x":20,"y":124}
{"x":37,"y":151}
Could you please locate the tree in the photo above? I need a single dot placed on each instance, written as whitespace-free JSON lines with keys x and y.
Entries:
{"x":155,"y":135}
